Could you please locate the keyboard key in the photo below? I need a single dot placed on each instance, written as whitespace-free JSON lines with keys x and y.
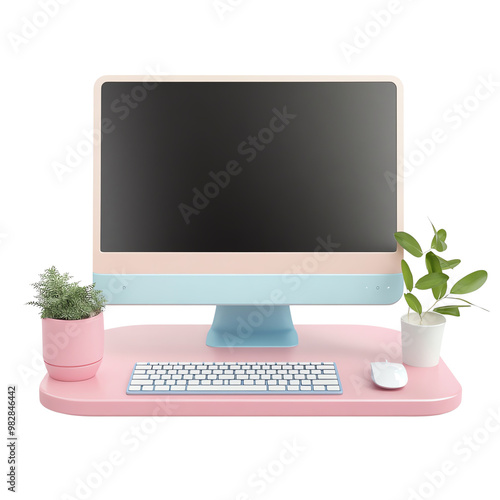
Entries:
{"x":223,"y":388}
{"x":324,"y":382}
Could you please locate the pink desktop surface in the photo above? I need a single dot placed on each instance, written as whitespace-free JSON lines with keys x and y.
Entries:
{"x":429,"y":391}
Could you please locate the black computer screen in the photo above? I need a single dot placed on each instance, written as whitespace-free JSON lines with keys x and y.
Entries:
{"x":248,"y":166}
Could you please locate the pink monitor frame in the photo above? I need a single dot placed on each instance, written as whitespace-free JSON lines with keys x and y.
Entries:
{"x":242,"y":263}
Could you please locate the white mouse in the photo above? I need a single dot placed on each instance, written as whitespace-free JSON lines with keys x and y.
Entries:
{"x":389,"y":375}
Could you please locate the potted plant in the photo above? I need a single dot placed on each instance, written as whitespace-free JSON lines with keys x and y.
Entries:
{"x":422,"y":330}
{"x":72,"y":326}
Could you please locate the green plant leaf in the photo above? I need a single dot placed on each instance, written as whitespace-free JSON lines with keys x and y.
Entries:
{"x":413,"y":303}
{"x":450,"y":310}
{"x":470,"y":283}
{"x":438,"y":242}
{"x":432,"y":263}
{"x":431,"y":280}
{"x":58,"y":298}
{"x":467,"y":302}
{"x":434,"y":266}
{"x":439,"y":291}
{"x":407,"y":276}
{"x":409,"y":243}
{"x":448,"y":264}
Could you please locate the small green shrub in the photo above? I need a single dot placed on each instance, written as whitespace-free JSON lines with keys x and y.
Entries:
{"x":58,"y":298}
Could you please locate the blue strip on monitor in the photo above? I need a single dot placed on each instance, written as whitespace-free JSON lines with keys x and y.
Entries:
{"x":250,"y":289}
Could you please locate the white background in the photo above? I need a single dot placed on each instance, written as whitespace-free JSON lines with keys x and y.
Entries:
{"x":440,"y":50}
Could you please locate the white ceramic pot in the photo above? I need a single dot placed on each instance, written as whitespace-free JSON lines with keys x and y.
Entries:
{"x":421,"y":341}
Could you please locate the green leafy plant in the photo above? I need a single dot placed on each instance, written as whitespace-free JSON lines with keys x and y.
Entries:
{"x":435,"y":279}
{"x":58,"y":298}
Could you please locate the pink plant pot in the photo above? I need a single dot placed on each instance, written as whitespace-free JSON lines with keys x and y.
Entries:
{"x":73,"y":349}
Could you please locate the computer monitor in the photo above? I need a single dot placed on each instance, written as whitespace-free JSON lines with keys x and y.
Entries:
{"x":249,"y":193}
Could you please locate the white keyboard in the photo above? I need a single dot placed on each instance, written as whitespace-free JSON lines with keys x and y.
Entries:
{"x":234,"y":378}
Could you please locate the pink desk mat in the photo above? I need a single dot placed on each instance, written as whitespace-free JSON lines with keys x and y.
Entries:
{"x":430,"y":391}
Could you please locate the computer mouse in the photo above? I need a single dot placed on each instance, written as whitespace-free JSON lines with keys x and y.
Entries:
{"x":389,"y":375}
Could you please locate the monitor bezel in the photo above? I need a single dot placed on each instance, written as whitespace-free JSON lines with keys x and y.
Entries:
{"x":242,"y":263}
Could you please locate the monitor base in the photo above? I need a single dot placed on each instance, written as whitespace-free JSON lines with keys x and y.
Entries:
{"x":252,"y":326}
